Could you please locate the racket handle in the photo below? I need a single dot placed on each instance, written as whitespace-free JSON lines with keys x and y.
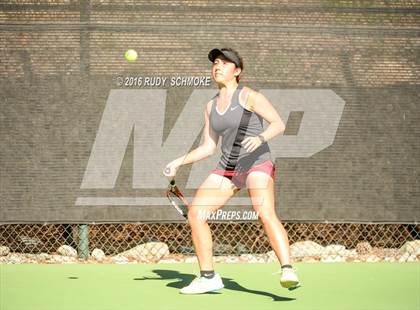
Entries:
{"x":167,"y":171}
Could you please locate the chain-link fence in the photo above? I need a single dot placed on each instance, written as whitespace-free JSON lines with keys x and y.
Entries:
{"x":230,"y":238}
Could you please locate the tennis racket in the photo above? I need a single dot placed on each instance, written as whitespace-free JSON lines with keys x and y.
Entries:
{"x":177,"y":199}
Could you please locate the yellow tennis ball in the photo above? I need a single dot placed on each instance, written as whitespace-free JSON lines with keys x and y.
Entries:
{"x":130,"y":55}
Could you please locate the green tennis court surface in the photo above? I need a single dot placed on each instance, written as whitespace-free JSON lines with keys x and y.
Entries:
{"x":247,"y":286}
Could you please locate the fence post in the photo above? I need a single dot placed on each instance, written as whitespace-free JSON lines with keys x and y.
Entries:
{"x":83,"y":249}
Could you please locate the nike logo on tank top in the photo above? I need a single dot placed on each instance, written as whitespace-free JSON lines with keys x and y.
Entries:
{"x":234,"y":124}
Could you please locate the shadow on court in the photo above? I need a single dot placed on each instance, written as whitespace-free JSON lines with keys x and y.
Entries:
{"x":184,"y":279}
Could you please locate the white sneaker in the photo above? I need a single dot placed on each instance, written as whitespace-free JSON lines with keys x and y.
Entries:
{"x":289,"y":278}
{"x":202,"y":285}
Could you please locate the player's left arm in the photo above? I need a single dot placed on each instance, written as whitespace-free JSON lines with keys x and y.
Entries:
{"x":260,"y":105}
{"x":263,"y":107}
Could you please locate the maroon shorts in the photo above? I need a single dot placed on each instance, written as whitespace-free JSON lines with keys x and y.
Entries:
{"x":239,"y":177}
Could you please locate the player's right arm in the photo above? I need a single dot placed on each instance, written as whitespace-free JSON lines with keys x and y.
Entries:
{"x":210,"y":137}
{"x":206,"y":148}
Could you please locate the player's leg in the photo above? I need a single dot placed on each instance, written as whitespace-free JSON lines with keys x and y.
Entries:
{"x":261,"y":190}
{"x":213,"y":193}
{"x":210,"y":196}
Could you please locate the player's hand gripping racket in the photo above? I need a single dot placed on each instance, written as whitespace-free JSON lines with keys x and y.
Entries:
{"x":176,"y":198}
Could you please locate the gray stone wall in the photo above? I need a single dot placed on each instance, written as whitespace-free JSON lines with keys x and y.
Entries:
{"x":59,"y":61}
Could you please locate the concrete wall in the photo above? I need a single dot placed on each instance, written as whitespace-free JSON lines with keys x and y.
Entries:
{"x":60,"y":60}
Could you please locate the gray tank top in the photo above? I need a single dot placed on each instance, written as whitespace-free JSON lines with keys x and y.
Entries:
{"x":234,"y":125}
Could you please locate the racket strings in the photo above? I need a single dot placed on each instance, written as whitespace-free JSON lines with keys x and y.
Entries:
{"x":177,"y":200}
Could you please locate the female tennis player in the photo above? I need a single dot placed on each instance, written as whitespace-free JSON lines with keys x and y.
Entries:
{"x":236,"y":114}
